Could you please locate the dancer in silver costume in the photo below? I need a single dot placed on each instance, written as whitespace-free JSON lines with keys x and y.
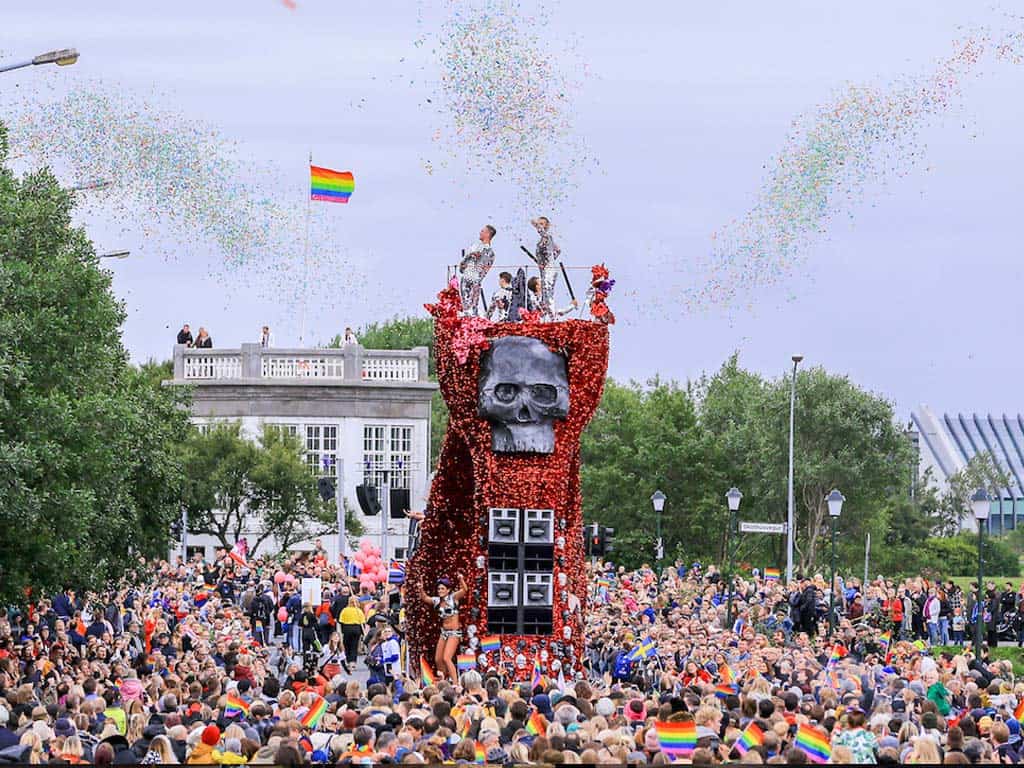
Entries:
{"x":501,"y":300}
{"x":474,"y":268}
{"x":547,"y":255}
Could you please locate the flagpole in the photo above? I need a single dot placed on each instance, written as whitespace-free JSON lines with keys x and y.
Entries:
{"x":305,"y":264}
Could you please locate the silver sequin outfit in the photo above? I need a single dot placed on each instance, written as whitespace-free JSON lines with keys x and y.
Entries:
{"x":472,"y":270}
{"x":548,"y":254}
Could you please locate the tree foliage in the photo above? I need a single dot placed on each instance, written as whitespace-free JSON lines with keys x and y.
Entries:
{"x":234,"y":484}
{"x":88,"y":448}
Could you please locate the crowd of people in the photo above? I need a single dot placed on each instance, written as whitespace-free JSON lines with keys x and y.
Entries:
{"x":221,"y":662}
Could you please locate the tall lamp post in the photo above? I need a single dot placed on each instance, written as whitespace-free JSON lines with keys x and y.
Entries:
{"x":658,"y":501}
{"x":835,"y":508}
{"x":733,"y":497}
{"x":789,"y":497}
{"x":61,"y":58}
{"x":980,"y":506}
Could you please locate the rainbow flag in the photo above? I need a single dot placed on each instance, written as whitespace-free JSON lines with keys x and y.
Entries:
{"x":772,"y":574}
{"x":235,"y":706}
{"x":314,"y":713}
{"x":606,"y":583}
{"x":538,"y":674}
{"x":752,"y":737}
{"x":490,"y":643}
{"x":813,"y":743}
{"x":677,"y":738}
{"x":1018,"y":712}
{"x":481,"y":755}
{"x":426,"y":673}
{"x":722,"y":691}
{"x":330,"y":186}
{"x":465,"y":661}
{"x":838,"y":652}
{"x":728,"y":676}
{"x":884,"y":639}
{"x":536,"y":724}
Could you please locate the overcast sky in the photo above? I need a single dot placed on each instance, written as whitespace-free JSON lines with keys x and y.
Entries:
{"x":916,"y":295}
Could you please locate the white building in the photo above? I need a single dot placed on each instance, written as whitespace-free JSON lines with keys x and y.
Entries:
{"x":947,"y":442}
{"x":367,"y":409}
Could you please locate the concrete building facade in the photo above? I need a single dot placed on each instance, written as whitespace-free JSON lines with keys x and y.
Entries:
{"x":367,"y":411}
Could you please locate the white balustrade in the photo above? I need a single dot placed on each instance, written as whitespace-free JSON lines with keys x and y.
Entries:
{"x":391,"y":369}
{"x":200,"y":365}
{"x":301,"y":367}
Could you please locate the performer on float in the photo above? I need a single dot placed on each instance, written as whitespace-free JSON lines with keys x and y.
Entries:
{"x":447,"y":603}
{"x":497,"y":312}
{"x":547,"y":257}
{"x":535,"y":302}
{"x":474,"y":268}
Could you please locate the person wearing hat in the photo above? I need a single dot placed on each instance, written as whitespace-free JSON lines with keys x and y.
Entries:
{"x":202,"y":753}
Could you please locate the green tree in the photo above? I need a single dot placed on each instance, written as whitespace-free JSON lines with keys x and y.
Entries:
{"x":237,"y":487}
{"x":982,"y":471}
{"x":406,"y":333}
{"x":88,"y":449}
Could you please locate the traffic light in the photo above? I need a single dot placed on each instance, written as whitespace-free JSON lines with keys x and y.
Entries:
{"x":607,"y":541}
{"x":325,"y":486}
{"x":592,"y":537}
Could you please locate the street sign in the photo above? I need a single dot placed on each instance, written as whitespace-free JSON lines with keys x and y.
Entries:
{"x":749,"y":527}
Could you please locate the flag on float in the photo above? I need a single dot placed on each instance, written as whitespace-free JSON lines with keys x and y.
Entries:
{"x":490,"y":643}
{"x":772,"y":574}
{"x":426,"y":673}
{"x":813,"y":743}
{"x":315,"y":712}
{"x":330,"y":186}
{"x":752,"y":737}
{"x":677,"y":738}
{"x":239,"y":552}
{"x":396,"y":572}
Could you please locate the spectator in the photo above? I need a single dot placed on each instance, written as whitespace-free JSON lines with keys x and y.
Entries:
{"x":203,"y":340}
{"x":266,"y":337}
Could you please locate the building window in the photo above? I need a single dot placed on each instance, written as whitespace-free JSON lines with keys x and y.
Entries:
{"x":387,"y":450}
{"x":321,"y":448}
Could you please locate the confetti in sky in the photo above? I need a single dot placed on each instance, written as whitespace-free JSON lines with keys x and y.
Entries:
{"x":864,"y":136}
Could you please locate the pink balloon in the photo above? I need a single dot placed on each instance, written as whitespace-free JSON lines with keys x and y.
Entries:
{"x":365,"y":545}
{"x":282,"y":614}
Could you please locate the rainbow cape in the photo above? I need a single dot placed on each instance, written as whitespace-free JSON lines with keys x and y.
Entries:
{"x":314,"y":713}
{"x":813,"y":743}
{"x":465,"y":661}
{"x":752,"y":737}
{"x":536,"y":724}
{"x":490,"y":643}
{"x":426,"y":673}
{"x":236,"y":705}
{"x":330,"y":186}
{"x":677,"y":738}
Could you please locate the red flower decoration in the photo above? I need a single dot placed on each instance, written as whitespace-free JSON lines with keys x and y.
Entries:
{"x":529,"y":317}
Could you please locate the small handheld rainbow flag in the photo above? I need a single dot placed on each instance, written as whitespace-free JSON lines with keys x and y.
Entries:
{"x":479,"y":753}
{"x":813,"y":743}
{"x":465,"y":661}
{"x":314,"y":713}
{"x":677,"y":738}
{"x":538,"y":674}
{"x":536,"y":724}
{"x":235,"y":706}
{"x":426,"y":673}
{"x":772,"y":574}
{"x":838,"y":652}
{"x":752,"y":737}
{"x":884,"y":639}
{"x":722,"y":691}
{"x":728,"y":676}
{"x":490,"y":643}
{"x":330,"y":186}
{"x":1018,"y":712}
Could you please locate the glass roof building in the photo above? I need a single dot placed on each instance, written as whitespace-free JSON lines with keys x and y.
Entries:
{"x":947,"y":442}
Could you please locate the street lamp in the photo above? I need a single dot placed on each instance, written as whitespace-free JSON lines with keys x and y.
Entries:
{"x":835,"y":508}
{"x":658,"y":501}
{"x":61,"y":58}
{"x":789,"y":509}
{"x":733,"y":497}
{"x":980,"y":507}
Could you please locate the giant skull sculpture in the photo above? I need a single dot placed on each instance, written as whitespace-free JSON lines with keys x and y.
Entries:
{"x":524,"y":387}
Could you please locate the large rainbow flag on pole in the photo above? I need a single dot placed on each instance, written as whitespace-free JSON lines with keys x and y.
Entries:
{"x":330,"y":186}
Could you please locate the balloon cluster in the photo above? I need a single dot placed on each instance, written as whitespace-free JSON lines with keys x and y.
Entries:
{"x":372,"y":569}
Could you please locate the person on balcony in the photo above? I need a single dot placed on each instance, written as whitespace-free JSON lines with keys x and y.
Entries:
{"x":473,"y":268}
{"x":203,"y":340}
{"x":185,"y":335}
{"x":266,"y":337}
